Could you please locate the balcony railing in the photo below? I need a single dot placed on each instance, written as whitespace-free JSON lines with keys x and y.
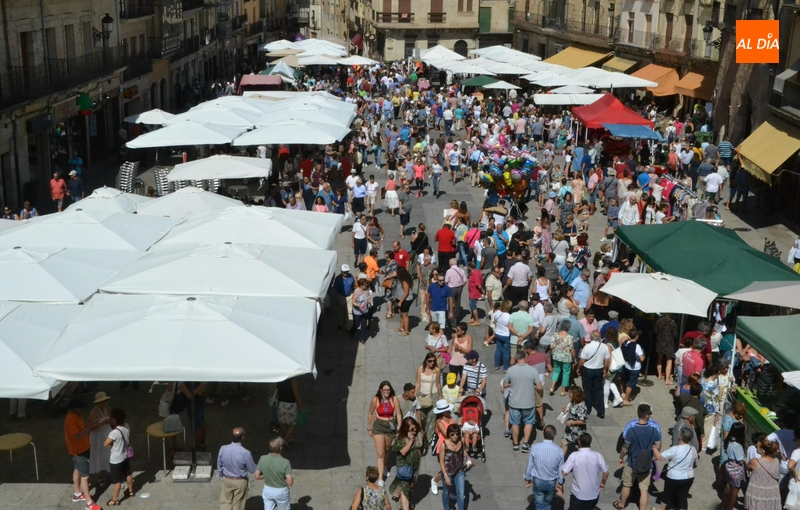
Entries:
{"x":187,"y":47}
{"x":696,"y":48}
{"x":437,"y":17}
{"x":23,"y":83}
{"x":139,"y":66}
{"x":161,"y":47}
{"x":393,"y":17}
{"x":788,"y":102}
{"x":586,"y":26}
{"x":255,"y":28}
{"x":130,"y":9}
{"x":192,"y":4}
{"x":238,"y":22}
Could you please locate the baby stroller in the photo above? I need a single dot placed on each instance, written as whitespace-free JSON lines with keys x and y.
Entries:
{"x":472,"y":409}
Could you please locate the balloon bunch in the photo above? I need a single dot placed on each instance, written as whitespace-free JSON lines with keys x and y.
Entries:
{"x":508,"y":173}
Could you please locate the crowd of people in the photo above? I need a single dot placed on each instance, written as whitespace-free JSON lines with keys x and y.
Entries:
{"x":535,"y":293}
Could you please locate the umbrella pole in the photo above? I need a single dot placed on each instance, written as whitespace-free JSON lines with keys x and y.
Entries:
{"x":191,"y":420}
{"x":647,"y":382}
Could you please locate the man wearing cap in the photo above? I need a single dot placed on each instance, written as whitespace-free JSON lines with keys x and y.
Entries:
{"x":568,"y":271}
{"x":686,"y":421}
{"x":75,"y":186}
{"x":351,"y":182}
{"x":343,"y":286}
{"x":473,"y":378}
{"x":524,"y":381}
{"x":518,"y":281}
{"x":76,"y":435}
{"x":613,"y":322}
{"x":234,"y":463}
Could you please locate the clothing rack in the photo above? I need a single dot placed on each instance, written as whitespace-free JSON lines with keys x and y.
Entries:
{"x":680,"y":185}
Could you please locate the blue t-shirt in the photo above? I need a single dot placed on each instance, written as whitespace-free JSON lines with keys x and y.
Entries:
{"x":439,"y":296}
{"x":501,"y":241}
{"x":578,"y":151}
{"x":644,"y":181}
{"x":587,"y":161}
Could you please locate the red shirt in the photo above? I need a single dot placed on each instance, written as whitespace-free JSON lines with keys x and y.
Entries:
{"x":537,"y":358}
{"x":306,"y":166}
{"x":694,"y":335}
{"x":475,"y":284}
{"x":447,"y":240}
{"x":58,"y":188}
{"x":402,"y":257}
{"x":693,"y":362}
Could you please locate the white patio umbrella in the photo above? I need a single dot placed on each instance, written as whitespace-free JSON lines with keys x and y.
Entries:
{"x":7,"y":224}
{"x":110,"y":200}
{"x":284,"y":69}
{"x":235,"y":103}
{"x":280,"y":44}
{"x":500,"y":84}
{"x":312,"y":114}
{"x":551,"y":79}
{"x":770,"y":293}
{"x":154,"y":117}
{"x":26,"y":331}
{"x":792,"y":379}
{"x":317,"y":60}
{"x":293,"y":131}
{"x":498,"y":67}
{"x":343,"y":113}
{"x":58,"y":275}
{"x":288,"y":52}
{"x":221,"y":166}
{"x":572,"y":89}
{"x":187,"y":201}
{"x":77,"y":228}
{"x":228,"y":269}
{"x":660,"y":293}
{"x":227,"y":116}
{"x":258,"y":225}
{"x":227,"y":339}
{"x":356,"y":60}
{"x":466,"y":68}
{"x":620,"y":80}
{"x":186,"y":133}
{"x":440,"y":51}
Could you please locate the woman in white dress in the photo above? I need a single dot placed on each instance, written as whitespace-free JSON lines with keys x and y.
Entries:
{"x":391,"y":201}
{"x":99,"y":426}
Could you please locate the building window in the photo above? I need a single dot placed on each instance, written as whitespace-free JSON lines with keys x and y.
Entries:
{"x":461,"y":48}
{"x":524,"y":44}
{"x":409,"y":48}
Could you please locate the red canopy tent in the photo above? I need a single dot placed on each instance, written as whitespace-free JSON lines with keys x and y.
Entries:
{"x":608,"y":110}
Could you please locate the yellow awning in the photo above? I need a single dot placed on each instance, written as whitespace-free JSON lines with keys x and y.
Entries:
{"x":576,"y":58}
{"x":697,"y":84}
{"x":666,"y":77}
{"x":768,"y":147}
{"x":619,"y":65}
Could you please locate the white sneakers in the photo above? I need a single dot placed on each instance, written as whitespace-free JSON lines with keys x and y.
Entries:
{"x":617,"y":402}
{"x":434,"y":487}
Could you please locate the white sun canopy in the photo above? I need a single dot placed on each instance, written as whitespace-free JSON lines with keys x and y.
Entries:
{"x":26,"y":331}
{"x":110,"y":201}
{"x":154,"y":117}
{"x":186,"y":133}
{"x":185,"y":339}
{"x":89,"y":230}
{"x":565,"y":99}
{"x":58,"y":275}
{"x":294,"y":131}
{"x":221,"y":166}
{"x":226,"y":116}
{"x":228,"y":269}
{"x":258,"y":225}
{"x":440,"y":52}
{"x":187,"y":201}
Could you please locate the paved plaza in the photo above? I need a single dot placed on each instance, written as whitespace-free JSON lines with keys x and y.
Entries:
{"x":330,"y":453}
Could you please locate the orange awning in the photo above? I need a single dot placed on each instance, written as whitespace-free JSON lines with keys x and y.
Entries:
{"x":697,"y":85}
{"x":666,"y":77}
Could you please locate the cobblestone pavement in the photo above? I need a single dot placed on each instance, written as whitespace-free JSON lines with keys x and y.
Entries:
{"x":330,"y":453}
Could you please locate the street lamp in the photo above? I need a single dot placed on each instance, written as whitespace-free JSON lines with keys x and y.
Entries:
{"x":108,"y":26}
{"x":611,"y":16}
{"x":707,"y":31}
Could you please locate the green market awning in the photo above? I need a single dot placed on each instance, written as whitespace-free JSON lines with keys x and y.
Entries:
{"x":774,"y":337}
{"x":478,"y":81}
{"x":716,"y":258}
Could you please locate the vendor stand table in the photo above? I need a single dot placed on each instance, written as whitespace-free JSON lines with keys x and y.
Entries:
{"x":157,"y":430}
{"x":755,"y":415}
{"x":17,"y":441}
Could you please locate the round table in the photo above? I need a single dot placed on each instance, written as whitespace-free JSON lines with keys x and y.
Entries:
{"x":157,"y":430}
{"x":17,"y":441}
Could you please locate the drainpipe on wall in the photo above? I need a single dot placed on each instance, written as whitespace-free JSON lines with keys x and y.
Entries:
{"x":44,"y":42}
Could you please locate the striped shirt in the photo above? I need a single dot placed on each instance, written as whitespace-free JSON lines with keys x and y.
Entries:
{"x":475,"y":375}
{"x":545,"y":462}
{"x":725,"y":149}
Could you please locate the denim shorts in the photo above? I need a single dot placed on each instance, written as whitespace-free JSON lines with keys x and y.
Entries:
{"x":632,"y":376}
{"x":526,"y":416}
{"x":473,"y":304}
{"x":81,"y":464}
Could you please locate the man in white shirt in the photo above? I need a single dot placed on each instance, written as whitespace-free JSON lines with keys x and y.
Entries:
{"x":518,"y":281}
{"x":629,"y":211}
{"x":372,"y":194}
{"x":262,"y":151}
{"x":536,"y":310}
{"x":585,"y":465}
{"x":593,"y":367}
{"x":351,"y":182}
{"x":713,"y":183}
{"x":447,"y":115}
